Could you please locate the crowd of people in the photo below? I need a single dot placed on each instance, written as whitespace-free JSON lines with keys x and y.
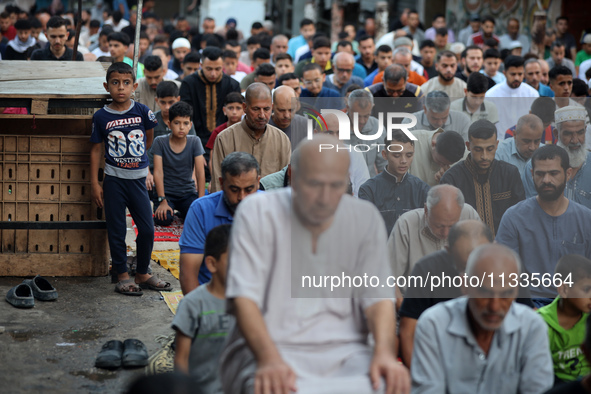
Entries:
{"x":480,"y":173}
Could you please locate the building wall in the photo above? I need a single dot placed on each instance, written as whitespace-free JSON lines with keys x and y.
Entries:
{"x":458,"y":12}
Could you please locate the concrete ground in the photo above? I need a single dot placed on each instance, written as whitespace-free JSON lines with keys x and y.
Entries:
{"x":52,"y":347}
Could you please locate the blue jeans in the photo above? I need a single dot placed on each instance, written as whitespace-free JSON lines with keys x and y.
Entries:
{"x":133,"y":195}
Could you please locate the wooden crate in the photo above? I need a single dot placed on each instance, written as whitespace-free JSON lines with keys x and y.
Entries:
{"x":45,"y":170}
{"x":46,"y":188}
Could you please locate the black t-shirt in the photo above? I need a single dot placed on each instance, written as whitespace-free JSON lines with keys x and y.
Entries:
{"x":463,"y":77}
{"x":431,"y":71}
{"x":569,"y":42}
{"x":419,"y":298}
{"x":46,"y":54}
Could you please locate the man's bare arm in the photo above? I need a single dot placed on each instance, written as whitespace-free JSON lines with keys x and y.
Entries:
{"x":382,"y":324}
{"x":273,"y":374}
{"x":189,"y":265}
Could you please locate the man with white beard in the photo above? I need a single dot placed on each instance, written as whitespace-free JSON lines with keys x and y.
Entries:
{"x":570,"y":127}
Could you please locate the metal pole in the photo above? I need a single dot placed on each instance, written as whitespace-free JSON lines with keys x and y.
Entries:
{"x":136,"y":43}
{"x":78,"y":27}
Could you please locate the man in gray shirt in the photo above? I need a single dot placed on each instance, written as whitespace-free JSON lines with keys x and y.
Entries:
{"x":284,"y":115}
{"x":361,"y":102}
{"x":436,"y":114}
{"x":483,"y":343}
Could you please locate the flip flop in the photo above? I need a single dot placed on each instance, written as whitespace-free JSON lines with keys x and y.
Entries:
{"x":110,"y":355}
{"x":135,"y":354}
{"x":155,"y":283}
{"x":128,"y":287}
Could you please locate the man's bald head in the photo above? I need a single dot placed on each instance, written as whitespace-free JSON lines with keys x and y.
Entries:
{"x":443,"y":209}
{"x":464,"y":237}
{"x":446,"y":195}
{"x":344,"y":63}
{"x":489,"y":303}
{"x":283,"y":93}
{"x":257,"y":91}
{"x":283,"y":106}
{"x":332,"y":125}
{"x":491,"y":258}
{"x":319,"y":178}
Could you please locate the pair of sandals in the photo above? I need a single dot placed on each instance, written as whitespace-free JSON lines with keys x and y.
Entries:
{"x":129,"y":287}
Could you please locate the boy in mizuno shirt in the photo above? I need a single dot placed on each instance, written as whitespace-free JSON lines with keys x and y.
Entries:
{"x":126,"y":128}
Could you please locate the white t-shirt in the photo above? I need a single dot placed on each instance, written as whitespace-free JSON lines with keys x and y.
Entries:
{"x":511,"y":104}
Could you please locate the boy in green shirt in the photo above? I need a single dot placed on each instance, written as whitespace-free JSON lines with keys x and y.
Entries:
{"x":566,"y":318}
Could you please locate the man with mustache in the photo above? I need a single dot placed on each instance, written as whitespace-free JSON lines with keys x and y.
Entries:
{"x":269,"y":145}
{"x":57,"y":35}
{"x":544,"y":228}
{"x":512,"y":98}
{"x":447,"y":65}
{"x":571,"y":125}
{"x":489,"y":185}
{"x":239,"y":179}
{"x":484,"y":342}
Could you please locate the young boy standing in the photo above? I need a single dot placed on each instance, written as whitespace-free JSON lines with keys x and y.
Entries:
{"x":126,"y":129}
{"x":176,"y":156}
{"x":201,"y":322}
{"x":566,"y":318}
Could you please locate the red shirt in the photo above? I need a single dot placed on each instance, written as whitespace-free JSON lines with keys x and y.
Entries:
{"x":548,"y":136}
{"x":214,"y":135}
{"x":243,"y":67}
{"x":10,"y":33}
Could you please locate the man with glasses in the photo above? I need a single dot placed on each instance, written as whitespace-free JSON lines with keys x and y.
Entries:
{"x":319,"y":96}
{"x":343,"y":77}
{"x":395,"y":94}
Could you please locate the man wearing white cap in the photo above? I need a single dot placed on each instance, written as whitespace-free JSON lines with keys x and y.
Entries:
{"x":180,"y":48}
{"x":571,"y":125}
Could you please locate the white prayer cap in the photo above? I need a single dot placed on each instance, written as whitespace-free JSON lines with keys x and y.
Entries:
{"x":514,"y":44}
{"x":181,"y":42}
{"x":570,"y":113}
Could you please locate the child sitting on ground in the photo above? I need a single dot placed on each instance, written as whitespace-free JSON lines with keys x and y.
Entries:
{"x":176,"y":156}
{"x":201,"y":322}
{"x":167,"y":93}
{"x":125,"y":127}
{"x":566,"y":318}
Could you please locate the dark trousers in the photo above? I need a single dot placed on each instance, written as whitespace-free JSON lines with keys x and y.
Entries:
{"x":180,"y":204}
{"x":133,"y":195}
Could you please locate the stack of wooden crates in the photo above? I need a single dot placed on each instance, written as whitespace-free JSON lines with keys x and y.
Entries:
{"x":49,"y":225}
